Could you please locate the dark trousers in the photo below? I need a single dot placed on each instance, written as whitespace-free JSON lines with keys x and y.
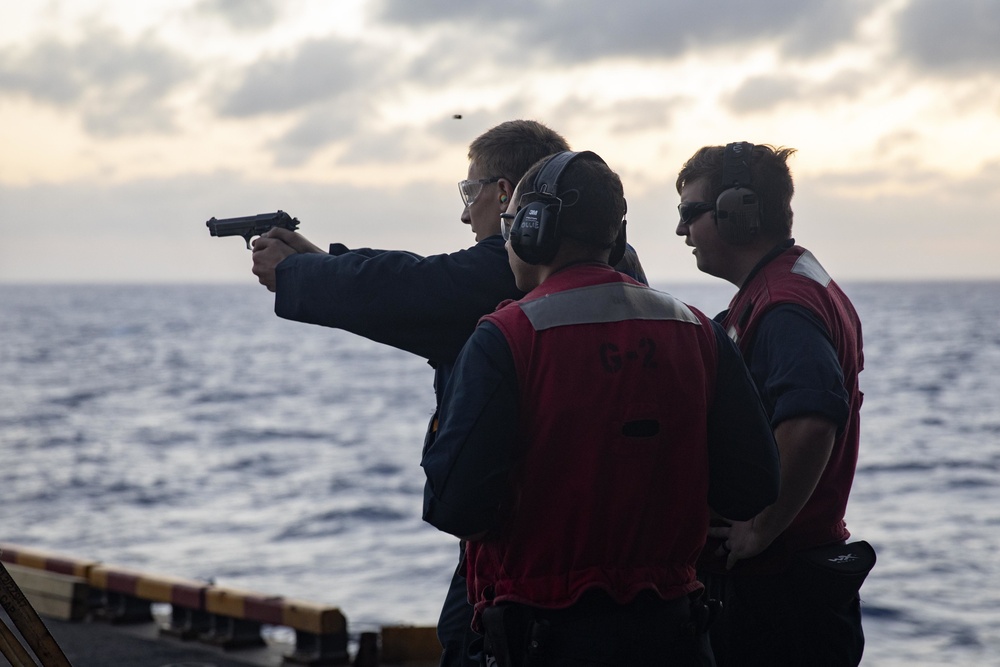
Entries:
{"x":597,"y":632}
{"x":784,"y":620}
{"x":461,"y":645}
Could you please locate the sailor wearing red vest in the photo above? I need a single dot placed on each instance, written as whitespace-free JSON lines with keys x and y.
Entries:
{"x":587,"y":432}
{"x":801,"y":339}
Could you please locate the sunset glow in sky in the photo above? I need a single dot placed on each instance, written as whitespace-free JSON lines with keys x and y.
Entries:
{"x":124,"y":126}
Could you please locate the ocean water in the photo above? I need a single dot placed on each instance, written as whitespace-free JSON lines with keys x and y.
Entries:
{"x":186,"y":430}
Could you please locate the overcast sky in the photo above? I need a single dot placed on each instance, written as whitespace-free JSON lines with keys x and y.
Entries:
{"x":125,"y":125}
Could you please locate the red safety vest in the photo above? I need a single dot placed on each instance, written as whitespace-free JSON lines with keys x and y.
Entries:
{"x":795,"y":276}
{"x":610,"y":489}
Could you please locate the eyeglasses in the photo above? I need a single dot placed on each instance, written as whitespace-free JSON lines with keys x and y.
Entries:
{"x":471,"y":189}
{"x":690,"y":210}
{"x":506,"y":224}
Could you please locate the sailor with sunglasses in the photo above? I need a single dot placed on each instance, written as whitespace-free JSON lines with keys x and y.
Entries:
{"x":801,"y":339}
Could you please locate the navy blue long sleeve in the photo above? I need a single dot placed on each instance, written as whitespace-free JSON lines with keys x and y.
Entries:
{"x":468,"y":465}
{"x":425,"y":305}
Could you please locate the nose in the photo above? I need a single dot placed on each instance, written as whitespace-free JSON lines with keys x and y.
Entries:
{"x":682,"y":228}
{"x":466,"y":218}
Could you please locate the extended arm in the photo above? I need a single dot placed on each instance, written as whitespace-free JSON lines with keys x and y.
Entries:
{"x":425,"y":305}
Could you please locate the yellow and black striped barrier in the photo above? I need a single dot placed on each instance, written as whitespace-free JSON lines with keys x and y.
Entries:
{"x":73,"y":589}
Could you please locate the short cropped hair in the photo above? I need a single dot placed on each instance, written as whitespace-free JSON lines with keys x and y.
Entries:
{"x":593,"y":200}
{"x":510,"y":148}
{"x":770,"y":178}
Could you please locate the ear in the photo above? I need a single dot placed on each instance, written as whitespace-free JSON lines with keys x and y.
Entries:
{"x":506,"y":192}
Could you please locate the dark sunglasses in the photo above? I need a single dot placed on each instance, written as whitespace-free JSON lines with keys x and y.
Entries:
{"x":690,"y":210}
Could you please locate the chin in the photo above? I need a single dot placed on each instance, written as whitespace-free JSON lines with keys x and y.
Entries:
{"x":713,"y":271}
{"x":704,"y":266}
{"x":524,"y":282}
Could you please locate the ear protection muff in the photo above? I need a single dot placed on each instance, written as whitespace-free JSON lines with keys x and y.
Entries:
{"x":737,"y":209}
{"x":534,"y":234}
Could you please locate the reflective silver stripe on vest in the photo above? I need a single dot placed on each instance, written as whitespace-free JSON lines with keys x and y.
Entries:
{"x":807,"y":265}
{"x":611,"y":302}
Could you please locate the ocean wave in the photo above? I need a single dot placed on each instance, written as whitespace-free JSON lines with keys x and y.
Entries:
{"x":206,"y":437}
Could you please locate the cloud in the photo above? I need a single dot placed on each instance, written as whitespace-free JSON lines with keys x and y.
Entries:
{"x":638,"y":115}
{"x":764,"y":93}
{"x":401,"y":145}
{"x":898,"y":176}
{"x":484,"y":114}
{"x":461,"y":131}
{"x":118,"y":87}
{"x":631,"y":116}
{"x":951,"y":37}
{"x":426,"y":12}
{"x":242,"y":15}
{"x":316,"y":128}
{"x":982,"y":187}
{"x":571,"y":31}
{"x":319,"y":71}
{"x":848,"y":83}
{"x":362,"y":143}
